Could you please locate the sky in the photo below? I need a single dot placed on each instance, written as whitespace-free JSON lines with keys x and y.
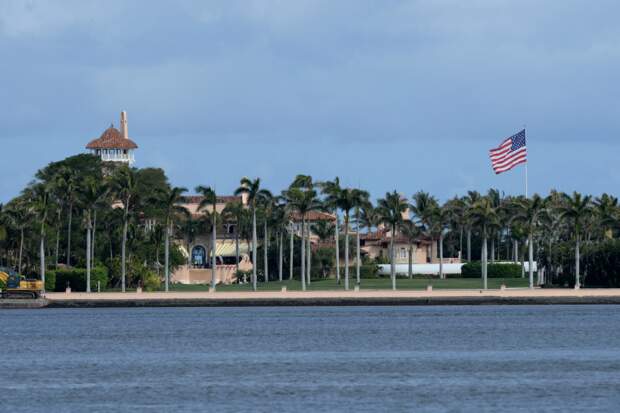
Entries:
{"x":387,"y":95}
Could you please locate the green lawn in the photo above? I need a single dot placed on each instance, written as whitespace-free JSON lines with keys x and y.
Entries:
{"x":373,"y":283}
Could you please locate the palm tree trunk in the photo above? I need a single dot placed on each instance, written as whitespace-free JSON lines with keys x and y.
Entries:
{"x":280,"y":254}
{"x":265,"y":248}
{"x":123,"y":252}
{"x":492,"y":239}
{"x":42,"y":258}
{"x":410,"y":261}
{"x":254,"y":242}
{"x":88,"y":254}
{"x":577,"y":283}
{"x":337,"y":235}
{"x":214,"y":248}
{"x":291,"y":251}
{"x":392,"y":266}
{"x":21,"y":249}
{"x":461,"y":243}
{"x":58,"y":238}
{"x":167,"y":258}
{"x":237,"y":250}
{"x":346,"y":251}
{"x":530,"y":270}
{"x":357,"y":246}
{"x":303,"y":253}
{"x":309,"y":255}
{"x":484,"y":261}
{"x":441,"y":275}
{"x":69,"y":235}
{"x":468,"y":244}
{"x":92,"y":244}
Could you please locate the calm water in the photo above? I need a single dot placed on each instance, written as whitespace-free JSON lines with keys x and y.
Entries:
{"x":362,"y":359}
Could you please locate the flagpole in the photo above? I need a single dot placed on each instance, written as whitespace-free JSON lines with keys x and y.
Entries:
{"x":526,"y":162}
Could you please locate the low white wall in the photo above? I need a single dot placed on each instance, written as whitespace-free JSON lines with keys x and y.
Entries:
{"x":433,"y":269}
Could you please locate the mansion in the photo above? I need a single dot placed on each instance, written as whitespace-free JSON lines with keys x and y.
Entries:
{"x":114,"y":145}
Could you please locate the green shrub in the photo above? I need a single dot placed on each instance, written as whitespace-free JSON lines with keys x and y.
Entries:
{"x":474,"y":270}
{"x":368,"y":271}
{"x":50,"y":280}
{"x":152,"y":282}
{"x":2,"y":285}
{"x":76,"y":277}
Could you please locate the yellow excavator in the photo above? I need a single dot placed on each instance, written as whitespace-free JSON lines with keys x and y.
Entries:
{"x":17,"y":286}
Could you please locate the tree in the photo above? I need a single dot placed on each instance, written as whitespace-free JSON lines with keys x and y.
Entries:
{"x":483,"y":215}
{"x":170,"y":200}
{"x":347,"y":199}
{"x":210,"y":199}
{"x":87,"y":197}
{"x":266,"y":207}
{"x":254,"y":193}
{"x":469,"y":202}
{"x":125,"y":186}
{"x":575,"y":209}
{"x":606,"y":208}
{"x":67,"y":182}
{"x":38,"y":201}
{"x":331,"y":191}
{"x":18,"y":215}
{"x":391,"y":209}
{"x":302,"y":201}
{"x":235,"y":211}
{"x":360,"y":199}
{"x":528,"y":211}
{"x":411,"y":231}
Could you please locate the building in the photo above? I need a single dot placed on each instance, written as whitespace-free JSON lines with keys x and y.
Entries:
{"x":114,"y":145}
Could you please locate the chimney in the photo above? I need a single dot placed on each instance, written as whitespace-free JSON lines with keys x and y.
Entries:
{"x":124,"y":125}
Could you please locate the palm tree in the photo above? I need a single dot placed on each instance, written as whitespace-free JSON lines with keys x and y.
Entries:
{"x":266,"y":206}
{"x":360,"y":198}
{"x":87,"y":196}
{"x":280,"y":220}
{"x":38,"y":200}
{"x":575,"y":209}
{"x":412,"y":232}
{"x":346,"y":199}
{"x":441,"y":221}
{"x":469,"y":202}
{"x":210,"y":199}
{"x":483,"y":215}
{"x":235,"y":212}
{"x":331,"y":190}
{"x":495,"y":197}
{"x":528,"y":212}
{"x":67,"y":181}
{"x":302,"y":201}
{"x":606,"y":207}
{"x":170,"y":200}
{"x":391,"y":209}
{"x":124,"y":184}
{"x":254,"y":193}
{"x":18,"y":215}
{"x":369,"y":217}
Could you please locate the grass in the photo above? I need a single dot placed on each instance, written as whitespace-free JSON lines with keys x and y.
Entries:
{"x":367,"y":284}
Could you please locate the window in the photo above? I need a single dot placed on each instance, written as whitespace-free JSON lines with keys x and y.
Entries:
{"x":403,"y":253}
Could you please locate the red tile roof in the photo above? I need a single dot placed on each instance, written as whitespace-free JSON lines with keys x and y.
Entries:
{"x":224,"y":199}
{"x":314,"y":216}
{"x":111,"y":138}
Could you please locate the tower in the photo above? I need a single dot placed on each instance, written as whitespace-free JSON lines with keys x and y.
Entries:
{"x":114,"y":145}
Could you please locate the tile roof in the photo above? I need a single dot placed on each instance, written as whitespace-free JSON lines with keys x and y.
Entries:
{"x":224,"y":199}
{"x":111,"y":138}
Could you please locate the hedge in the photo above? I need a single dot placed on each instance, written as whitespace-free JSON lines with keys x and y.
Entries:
{"x":474,"y":270}
{"x":50,"y":280}
{"x":76,"y":277}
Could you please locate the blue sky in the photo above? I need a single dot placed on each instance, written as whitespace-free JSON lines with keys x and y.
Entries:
{"x":404,"y":95}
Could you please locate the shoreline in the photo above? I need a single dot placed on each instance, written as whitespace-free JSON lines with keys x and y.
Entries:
{"x":515,"y":296}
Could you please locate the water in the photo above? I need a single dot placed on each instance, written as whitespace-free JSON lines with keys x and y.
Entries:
{"x":355,"y":359}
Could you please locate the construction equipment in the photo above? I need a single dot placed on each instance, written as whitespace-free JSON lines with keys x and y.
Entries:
{"x":17,"y":286}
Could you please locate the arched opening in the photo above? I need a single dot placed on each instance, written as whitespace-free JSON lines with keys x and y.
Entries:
{"x":199,"y":256}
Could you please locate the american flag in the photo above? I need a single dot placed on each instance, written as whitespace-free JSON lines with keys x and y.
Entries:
{"x":509,"y":154}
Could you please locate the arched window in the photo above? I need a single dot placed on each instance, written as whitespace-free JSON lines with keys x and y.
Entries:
{"x":199,"y":256}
